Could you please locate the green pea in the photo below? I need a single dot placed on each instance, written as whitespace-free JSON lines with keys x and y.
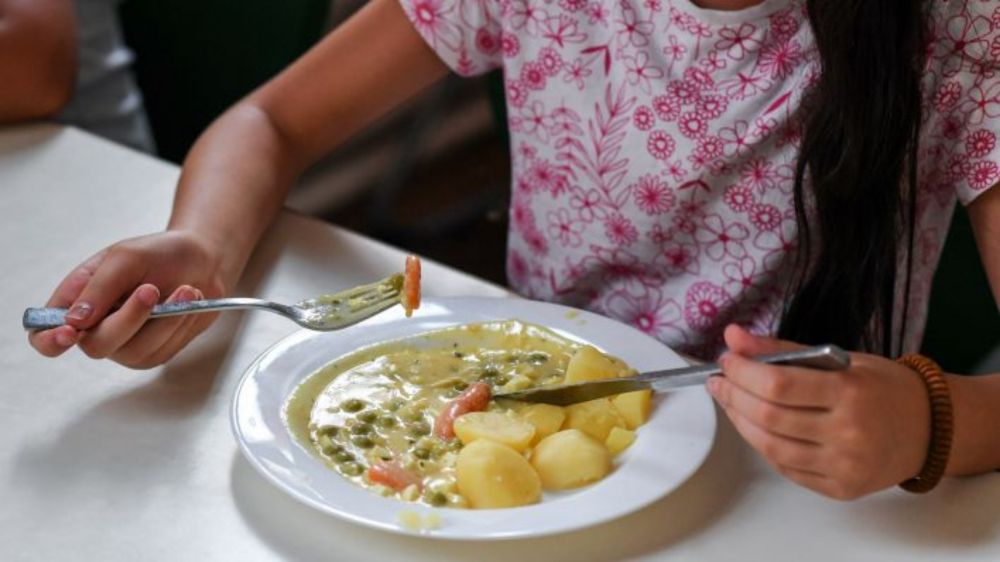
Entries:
{"x":351,"y":469}
{"x":493,"y":377}
{"x":361,"y":429}
{"x":418,"y":429}
{"x":327,"y":430}
{"x":342,"y":456}
{"x":353,"y":405}
{"x":538,"y":358}
{"x":368,"y":416}
{"x":460,"y":386}
{"x":328,"y":446}
{"x":386,"y":422}
{"x":458,"y":354}
{"x":362,"y":442}
{"x":394,"y":404}
{"x":436,"y":499}
{"x":422,"y":453}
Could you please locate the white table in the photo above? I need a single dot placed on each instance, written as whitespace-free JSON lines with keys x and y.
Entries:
{"x":98,"y":462}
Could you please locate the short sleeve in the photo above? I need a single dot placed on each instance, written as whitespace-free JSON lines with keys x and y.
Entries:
{"x":465,"y":34}
{"x":963,"y":110}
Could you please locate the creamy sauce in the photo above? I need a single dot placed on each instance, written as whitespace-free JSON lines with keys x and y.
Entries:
{"x":380,"y":403}
{"x":346,"y":305}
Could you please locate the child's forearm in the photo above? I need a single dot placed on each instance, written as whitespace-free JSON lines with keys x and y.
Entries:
{"x":234,"y":181}
{"x":976,"y":405}
{"x":239,"y":172}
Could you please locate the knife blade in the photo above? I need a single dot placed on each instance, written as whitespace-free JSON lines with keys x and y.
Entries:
{"x":822,"y":357}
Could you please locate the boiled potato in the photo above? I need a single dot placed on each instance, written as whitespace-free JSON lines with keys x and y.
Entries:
{"x":495,"y":426}
{"x":589,"y":364}
{"x":546,"y":418}
{"x":619,"y":439}
{"x":491,"y":475}
{"x":595,"y":418}
{"x":634,"y":406}
{"x":570,"y":459}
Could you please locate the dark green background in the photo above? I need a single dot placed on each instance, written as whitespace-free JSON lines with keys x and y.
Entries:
{"x":195,"y":58}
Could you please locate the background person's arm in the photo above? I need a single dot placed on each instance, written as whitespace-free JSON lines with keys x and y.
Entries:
{"x":37,"y":57}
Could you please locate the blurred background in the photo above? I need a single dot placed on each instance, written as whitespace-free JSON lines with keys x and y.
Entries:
{"x":433,"y":176}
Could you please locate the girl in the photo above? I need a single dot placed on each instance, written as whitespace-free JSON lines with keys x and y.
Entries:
{"x":685,"y":166}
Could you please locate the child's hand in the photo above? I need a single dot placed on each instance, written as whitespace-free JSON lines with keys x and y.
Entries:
{"x":843,"y":434}
{"x":134,"y":273}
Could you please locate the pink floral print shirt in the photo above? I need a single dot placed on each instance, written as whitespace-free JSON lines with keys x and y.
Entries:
{"x":654,"y":145}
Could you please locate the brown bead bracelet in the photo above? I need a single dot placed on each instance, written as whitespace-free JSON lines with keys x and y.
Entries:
{"x":942,"y":425}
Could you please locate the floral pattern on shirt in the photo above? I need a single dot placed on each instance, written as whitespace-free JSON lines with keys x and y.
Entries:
{"x":654,"y":146}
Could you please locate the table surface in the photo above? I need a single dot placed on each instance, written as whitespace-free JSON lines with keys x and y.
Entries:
{"x":101,"y":462}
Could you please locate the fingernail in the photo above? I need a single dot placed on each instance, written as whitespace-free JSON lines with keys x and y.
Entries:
{"x":63,"y":339}
{"x":148,"y":295}
{"x":80,"y":311}
{"x":184,"y":294}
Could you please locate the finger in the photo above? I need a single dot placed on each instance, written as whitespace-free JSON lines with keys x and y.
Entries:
{"x":785,"y":385}
{"x":805,"y":424}
{"x":52,"y":343}
{"x":120,"y":326}
{"x":739,"y":340}
{"x":72,"y":285}
{"x":154,"y":334}
{"x":198,"y":324}
{"x":115,"y":276}
{"x":776,"y":449}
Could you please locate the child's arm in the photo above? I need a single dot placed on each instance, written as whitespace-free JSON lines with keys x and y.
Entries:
{"x":984,"y":213}
{"x":37,"y":57}
{"x":852,"y":433}
{"x":233,"y":183}
{"x":977,"y":399}
{"x":240,"y":170}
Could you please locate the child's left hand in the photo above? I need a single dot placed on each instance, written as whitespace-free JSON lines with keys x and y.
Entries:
{"x":843,"y":434}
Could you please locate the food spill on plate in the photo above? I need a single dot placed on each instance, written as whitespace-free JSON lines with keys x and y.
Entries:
{"x":413,"y":419}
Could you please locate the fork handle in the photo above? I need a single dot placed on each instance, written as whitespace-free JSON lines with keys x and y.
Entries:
{"x":51,"y":317}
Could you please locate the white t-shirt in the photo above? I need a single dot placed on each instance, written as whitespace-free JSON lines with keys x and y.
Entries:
{"x":654,"y":143}
{"x":106,"y":101}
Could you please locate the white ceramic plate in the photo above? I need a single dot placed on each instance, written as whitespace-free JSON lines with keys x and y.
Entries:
{"x":668,"y":450}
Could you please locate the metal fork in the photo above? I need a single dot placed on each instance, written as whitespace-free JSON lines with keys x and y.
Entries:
{"x":323,"y":313}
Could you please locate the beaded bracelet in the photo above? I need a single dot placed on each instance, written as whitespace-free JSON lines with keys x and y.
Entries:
{"x":942,"y":426}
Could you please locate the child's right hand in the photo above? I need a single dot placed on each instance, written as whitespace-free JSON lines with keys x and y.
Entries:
{"x":135,"y":273}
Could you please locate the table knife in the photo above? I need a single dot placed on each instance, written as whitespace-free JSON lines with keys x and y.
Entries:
{"x":823,"y":357}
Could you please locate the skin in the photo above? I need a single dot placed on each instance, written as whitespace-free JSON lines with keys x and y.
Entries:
{"x":234,"y":181}
{"x":828,"y":432}
{"x":37,"y":57}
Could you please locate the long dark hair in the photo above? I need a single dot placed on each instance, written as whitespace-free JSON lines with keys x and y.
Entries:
{"x":859,"y":151}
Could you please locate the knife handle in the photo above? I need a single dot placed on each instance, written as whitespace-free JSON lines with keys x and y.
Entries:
{"x":821,"y":357}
